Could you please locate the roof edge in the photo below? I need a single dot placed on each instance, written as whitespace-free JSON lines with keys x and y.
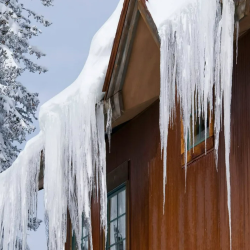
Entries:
{"x":116,"y":45}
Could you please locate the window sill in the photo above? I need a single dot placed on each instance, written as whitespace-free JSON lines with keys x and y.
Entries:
{"x":198,"y":151}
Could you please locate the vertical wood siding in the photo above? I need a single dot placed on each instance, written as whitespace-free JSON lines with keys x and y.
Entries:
{"x":197,"y":218}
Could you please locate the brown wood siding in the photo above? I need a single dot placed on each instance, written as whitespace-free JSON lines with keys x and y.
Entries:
{"x":197,"y":218}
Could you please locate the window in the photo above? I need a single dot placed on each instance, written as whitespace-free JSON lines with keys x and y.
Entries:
{"x":117,"y":219}
{"x":197,"y":134}
{"x":84,"y":238}
{"x":196,"y":140}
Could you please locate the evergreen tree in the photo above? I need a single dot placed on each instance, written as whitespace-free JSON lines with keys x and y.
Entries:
{"x":17,"y":104}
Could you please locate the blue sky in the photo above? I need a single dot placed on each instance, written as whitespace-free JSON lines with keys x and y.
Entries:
{"x":66,"y":43}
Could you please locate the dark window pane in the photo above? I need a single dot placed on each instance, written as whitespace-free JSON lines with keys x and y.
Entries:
{"x":85,"y":244}
{"x":120,"y":246}
{"x":112,"y":232}
{"x":113,"y":207}
{"x":85,"y":231}
{"x":122,"y":202}
{"x":197,"y":133}
{"x":117,"y":220}
{"x":122,"y":227}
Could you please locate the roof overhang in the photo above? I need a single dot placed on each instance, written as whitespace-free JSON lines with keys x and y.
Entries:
{"x":132,"y":81}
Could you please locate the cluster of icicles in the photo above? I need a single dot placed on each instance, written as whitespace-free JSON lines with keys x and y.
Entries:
{"x":196,"y":64}
{"x":196,"y":57}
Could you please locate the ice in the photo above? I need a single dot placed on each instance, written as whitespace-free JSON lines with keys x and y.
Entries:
{"x":237,"y":26}
{"x":18,"y":199}
{"x":109,"y":123}
{"x":72,"y":138}
{"x":196,"y":57}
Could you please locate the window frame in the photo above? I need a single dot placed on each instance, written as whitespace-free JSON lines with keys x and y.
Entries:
{"x":118,"y":178}
{"x":199,"y":150}
{"x":111,"y":194}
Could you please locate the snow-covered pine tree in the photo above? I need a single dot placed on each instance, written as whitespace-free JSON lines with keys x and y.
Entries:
{"x":17,"y":104}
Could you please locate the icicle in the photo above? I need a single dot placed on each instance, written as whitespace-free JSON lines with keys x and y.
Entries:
{"x":109,"y":123}
{"x":196,"y":56}
{"x":237,"y":25}
{"x":73,"y":141}
{"x":18,"y":199}
{"x":226,"y":82}
{"x":75,"y":149}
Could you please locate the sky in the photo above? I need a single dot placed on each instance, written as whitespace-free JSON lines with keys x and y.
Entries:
{"x":66,"y":45}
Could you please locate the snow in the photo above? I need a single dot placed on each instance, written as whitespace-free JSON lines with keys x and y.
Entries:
{"x":196,"y":57}
{"x":18,"y":200}
{"x":73,"y":139}
{"x":10,"y":61}
{"x":109,"y":123}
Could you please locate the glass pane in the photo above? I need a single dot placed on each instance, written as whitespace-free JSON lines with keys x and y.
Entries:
{"x":120,"y":246}
{"x":84,"y":231}
{"x":113,"y":207}
{"x":85,"y":244}
{"x":197,"y":133}
{"x":122,"y":228}
{"x":112,"y":232}
{"x":122,"y":202}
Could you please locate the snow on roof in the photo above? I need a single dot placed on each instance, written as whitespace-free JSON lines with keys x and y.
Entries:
{"x":72,"y":136}
{"x":162,"y":10}
{"x":93,"y":73}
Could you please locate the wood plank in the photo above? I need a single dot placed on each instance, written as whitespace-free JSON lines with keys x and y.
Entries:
{"x":149,"y":22}
{"x":68,"y":244}
{"x":116,"y":45}
{"x":123,"y":52}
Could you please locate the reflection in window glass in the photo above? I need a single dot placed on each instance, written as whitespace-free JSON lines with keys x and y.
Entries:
{"x":84,"y":239}
{"x":117,"y":220}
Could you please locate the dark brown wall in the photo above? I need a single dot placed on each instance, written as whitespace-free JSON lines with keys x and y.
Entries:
{"x":197,"y":218}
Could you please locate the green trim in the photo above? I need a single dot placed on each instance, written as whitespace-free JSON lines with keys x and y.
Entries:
{"x":117,"y":218}
{"x":117,"y":243}
{"x":112,"y":194}
{"x":117,"y":190}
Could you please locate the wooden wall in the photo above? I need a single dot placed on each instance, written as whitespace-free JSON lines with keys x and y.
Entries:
{"x":197,"y":218}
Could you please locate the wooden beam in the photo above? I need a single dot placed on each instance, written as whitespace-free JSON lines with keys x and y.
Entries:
{"x":118,"y":176}
{"x":119,"y":78}
{"x":149,"y":22}
{"x":241,"y":9}
{"x":68,"y":244}
{"x":116,"y":45}
{"x":123,"y":51}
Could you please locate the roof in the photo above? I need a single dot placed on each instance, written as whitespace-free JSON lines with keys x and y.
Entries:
{"x":116,"y":45}
{"x":124,"y":23}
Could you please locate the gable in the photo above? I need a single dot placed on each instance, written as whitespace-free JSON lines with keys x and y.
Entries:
{"x":141,"y":83}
